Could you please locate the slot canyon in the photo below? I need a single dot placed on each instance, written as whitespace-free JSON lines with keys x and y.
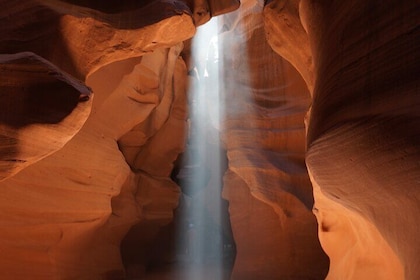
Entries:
{"x":210,"y":140}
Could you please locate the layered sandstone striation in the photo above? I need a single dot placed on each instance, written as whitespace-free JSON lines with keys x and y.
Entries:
{"x":287,"y":36}
{"x":47,"y":46}
{"x":79,"y":203}
{"x":42,"y":108}
{"x":64,"y":216}
{"x":85,"y":182}
{"x":369,"y":132}
{"x":267,"y":185}
{"x":363,"y":131}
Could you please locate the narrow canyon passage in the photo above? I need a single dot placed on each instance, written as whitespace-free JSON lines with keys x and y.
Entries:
{"x":209,"y":139}
{"x":246,"y":143}
{"x":198,"y":243}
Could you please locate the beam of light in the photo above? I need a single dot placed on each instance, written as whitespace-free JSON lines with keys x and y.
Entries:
{"x":201,"y":239}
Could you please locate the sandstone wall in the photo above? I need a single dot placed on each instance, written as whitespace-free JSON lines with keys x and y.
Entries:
{"x":265,"y":102}
{"x":363,"y":129}
{"x":64,"y":216}
{"x":365,"y":119}
{"x":78,"y":173}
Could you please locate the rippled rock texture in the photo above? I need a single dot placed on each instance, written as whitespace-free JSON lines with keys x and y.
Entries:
{"x":94,"y":110}
{"x":64,"y":216}
{"x":363,"y":132}
{"x":267,"y":185}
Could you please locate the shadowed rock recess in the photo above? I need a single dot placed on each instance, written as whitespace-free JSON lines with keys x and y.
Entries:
{"x":319,"y":140}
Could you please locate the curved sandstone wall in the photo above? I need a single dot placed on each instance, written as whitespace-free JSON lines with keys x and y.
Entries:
{"x":64,"y":216}
{"x":363,"y":131}
{"x":79,"y":170}
{"x":267,"y":184}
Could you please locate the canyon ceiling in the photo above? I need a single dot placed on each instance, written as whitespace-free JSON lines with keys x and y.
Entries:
{"x":321,"y":136}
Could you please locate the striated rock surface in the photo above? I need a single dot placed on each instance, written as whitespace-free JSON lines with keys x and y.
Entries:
{"x":363,"y":131}
{"x":287,"y":36}
{"x":85,"y":189}
{"x":363,"y":137}
{"x":81,"y":37}
{"x":42,"y":108}
{"x":65,"y":200}
{"x":109,"y":185}
{"x":47,"y":45}
{"x":356,"y":248}
{"x":64,"y":217}
{"x":266,"y":101}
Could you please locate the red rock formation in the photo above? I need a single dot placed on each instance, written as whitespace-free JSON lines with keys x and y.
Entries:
{"x":287,"y":36}
{"x":363,"y":130}
{"x":68,"y":195}
{"x":76,"y":40}
{"x":42,"y":108}
{"x":65,"y":216}
{"x":266,"y":101}
{"x":79,"y":38}
{"x":85,"y":182}
{"x":365,"y":118}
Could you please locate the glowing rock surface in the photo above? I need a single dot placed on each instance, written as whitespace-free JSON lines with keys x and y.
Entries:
{"x":86,"y":190}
